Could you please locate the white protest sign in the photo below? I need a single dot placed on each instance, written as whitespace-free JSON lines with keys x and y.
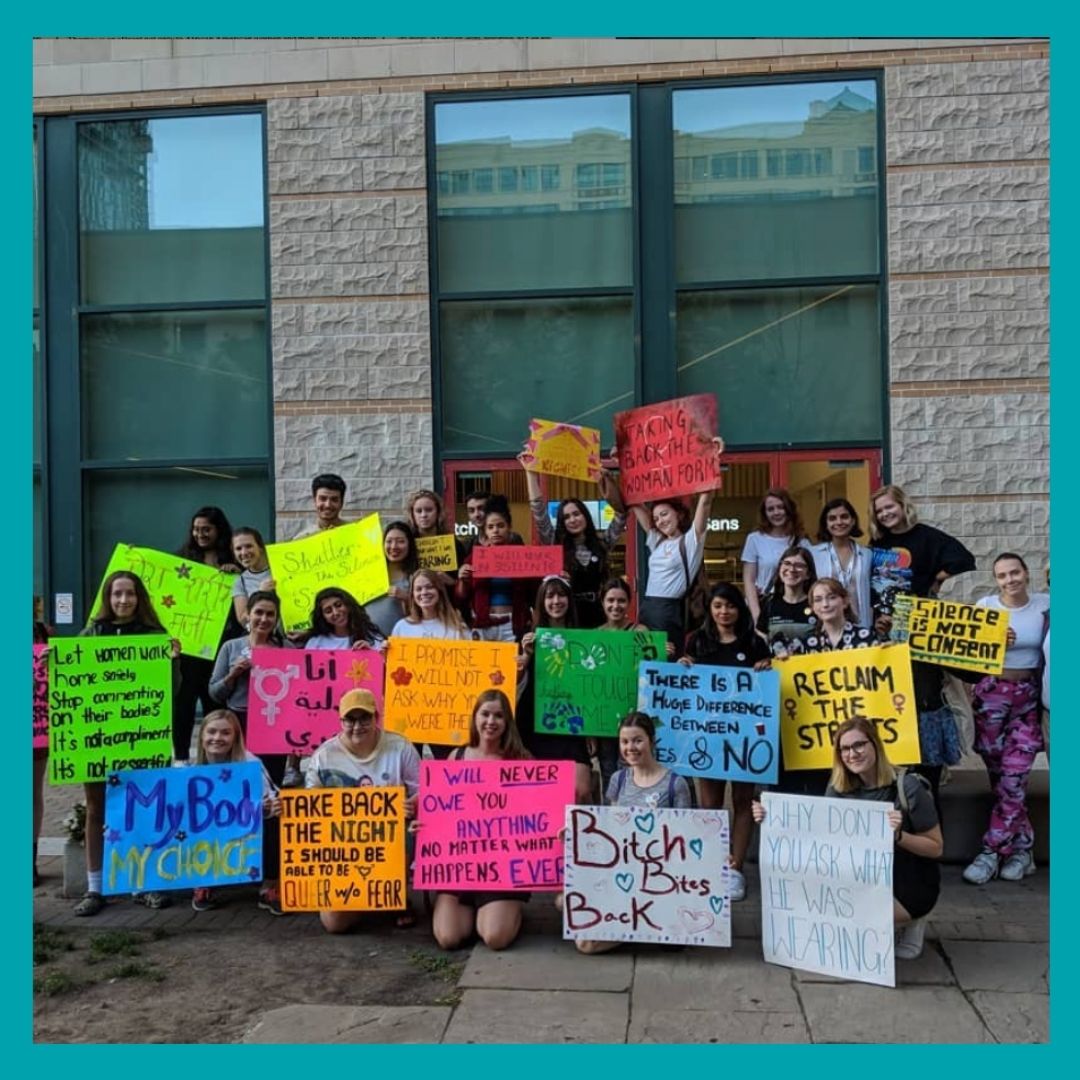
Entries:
{"x":826,"y":886}
{"x":634,"y":874}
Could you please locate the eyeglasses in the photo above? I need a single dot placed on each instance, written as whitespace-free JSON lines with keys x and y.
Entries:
{"x":353,"y":721}
{"x":855,"y":747}
{"x":793,"y":564}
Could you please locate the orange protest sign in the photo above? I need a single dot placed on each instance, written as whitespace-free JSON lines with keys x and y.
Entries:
{"x":343,"y":849}
{"x":431,"y":685}
{"x":437,"y":553}
{"x":563,"y":450}
{"x":517,"y":560}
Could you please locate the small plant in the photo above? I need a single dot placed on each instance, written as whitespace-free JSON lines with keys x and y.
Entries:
{"x":113,"y":943}
{"x":136,"y":969}
{"x":55,"y":982}
{"x":49,"y":942}
{"x":452,"y":998}
{"x":434,"y":964}
{"x":75,"y":823}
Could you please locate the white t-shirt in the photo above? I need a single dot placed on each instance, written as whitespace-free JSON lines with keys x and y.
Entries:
{"x":395,"y":762}
{"x":1027,"y":622}
{"x":764,"y":552}
{"x":327,"y":641}
{"x":667,"y":576}
{"x":429,"y":628}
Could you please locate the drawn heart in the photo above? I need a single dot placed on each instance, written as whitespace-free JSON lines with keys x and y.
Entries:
{"x":625,"y":881}
{"x":645,"y":822}
{"x":363,"y":871}
{"x":696,"y":921}
{"x":716,"y":903}
{"x":696,"y":847}
{"x":622,"y":816}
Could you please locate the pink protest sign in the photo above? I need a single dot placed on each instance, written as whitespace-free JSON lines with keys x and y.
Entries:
{"x":666,"y":449}
{"x":41,"y":698}
{"x":492,"y":826}
{"x":517,"y":560}
{"x":294,"y":694}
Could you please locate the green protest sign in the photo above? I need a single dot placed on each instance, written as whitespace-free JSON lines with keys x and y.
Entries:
{"x":586,"y":680}
{"x":110,"y":706}
{"x":191,"y":600}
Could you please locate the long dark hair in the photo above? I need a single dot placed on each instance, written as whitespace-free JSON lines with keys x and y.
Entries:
{"x":216,"y":516}
{"x":361,"y":628}
{"x":267,"y":596}
{"x":823,"y":534}
{"x":590,"y":537}
{"x":144,"y":607}
{"x":411,"y":560}
{"x":554,"y":583}
{"x":744,"y":625}
{"x":776,"y":586}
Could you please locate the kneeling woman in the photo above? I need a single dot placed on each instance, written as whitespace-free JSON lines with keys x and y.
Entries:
{"x":494,"y":916}
{"x":861,"y":770}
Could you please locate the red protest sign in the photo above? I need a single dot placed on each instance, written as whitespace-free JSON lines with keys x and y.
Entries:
{"x":517,"y":561}
{"x":666,"y":449}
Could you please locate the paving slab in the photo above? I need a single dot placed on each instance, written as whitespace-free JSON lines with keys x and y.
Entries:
{"x":1014,"y":1018}
{"x":861,"y":1013}
{"x":700,"y":1026}
{"x":725,"y":980}
{"x":351,"y":1024}
{"x":930,"y":969}
{"x":1019,"y":967}
{"x":544,"y":963}
{"x":539,"y":1016}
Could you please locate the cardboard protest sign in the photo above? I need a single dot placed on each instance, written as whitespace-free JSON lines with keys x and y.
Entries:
{"x":187,"y":828}
{"x":563,"y":450}
{"x":586,"y":680}
{"x":110,"y":706}
{"x":819,"y":691}
{"x":492,"y":826}
{"x":343,"y":849}
{"x":437,"y":553}
{"x":192,"y":600}
{"x":634,"y":874}
{"x":718,"y":722}
{"x":41,"y":697}
{"x":826,"y":887}
{"x":951,"y":634}
{"x":517,"y":560}
{"x":350,"y":557}
{"x":293,"y":695}
{"x":431,"y":685}
{"x":666,"y":449}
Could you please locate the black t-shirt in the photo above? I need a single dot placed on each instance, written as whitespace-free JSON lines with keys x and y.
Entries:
{"x":786,"y":624}
{"x":910,"y":562}
{"x":746,"y":652}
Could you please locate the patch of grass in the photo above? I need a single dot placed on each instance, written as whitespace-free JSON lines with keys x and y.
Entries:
{"x":437,"y":964}
{"x":55,"y":982}
{"x":49,"y":942}
{"x":136,"y":969}
{"x":452,"y":998}
{"x":113,"y":943}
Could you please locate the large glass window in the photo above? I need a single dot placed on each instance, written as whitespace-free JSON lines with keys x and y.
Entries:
{"x":156,"y":362}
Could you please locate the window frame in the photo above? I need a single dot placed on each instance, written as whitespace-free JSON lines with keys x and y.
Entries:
{"x":69,"y":471}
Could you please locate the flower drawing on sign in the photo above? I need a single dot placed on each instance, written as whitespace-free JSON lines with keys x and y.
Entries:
{"x":183,"y":571}
{"x":168,"y":601}
{"x":225,"y":775}
{"x":359,"y":672}
{"x":496,"y":678}
{"x":402,"y":677}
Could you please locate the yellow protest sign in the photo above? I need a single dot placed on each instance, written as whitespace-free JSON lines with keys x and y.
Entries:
{"x":350,"y":556}
{"x":563,"y":450}
{"x":952,"y":634}
{"x":820,"y":691}
{"x":431,"y":685}
{"x":343,"y":849}
{"x":437,"y":553}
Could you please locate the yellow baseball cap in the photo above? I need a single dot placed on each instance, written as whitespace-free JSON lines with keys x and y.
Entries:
{"x":358,"y":699}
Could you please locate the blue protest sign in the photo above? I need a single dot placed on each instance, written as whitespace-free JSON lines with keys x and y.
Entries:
{"x":717,"y":722}
{"x":183,"y":828}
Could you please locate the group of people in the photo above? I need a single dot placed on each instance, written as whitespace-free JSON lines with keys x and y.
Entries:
{"x":800,"y":594}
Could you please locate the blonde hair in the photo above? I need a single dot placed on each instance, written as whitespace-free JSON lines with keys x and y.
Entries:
{"x":837,"y":589}
{"x":896,"y":493}
{"x":445,"y":611}
{"x":238,"y":752}
{"x":843,"y":780}
{"x":510,"y":745}
{"x":423,"y":493}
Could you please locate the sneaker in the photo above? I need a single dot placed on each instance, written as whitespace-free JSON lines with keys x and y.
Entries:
{"x":153,"y":900}
{"x":909,"y":940}
{"x":202,"y":900}
{"x":736,"y":885}
{"x":90,"y":904}
{"x":983,"y":868}
{"x":293,"y":778}
{"x":270,"y":900}
{"x":1017,"y":866}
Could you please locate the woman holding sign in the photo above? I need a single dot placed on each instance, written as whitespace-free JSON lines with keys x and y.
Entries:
{"x":835,"y":629}
{"x":1008,"y":734}
{"x":428,"y":611}
{"x":786,"y":619}
{"x":399,"y":548}
{"x":585,"y":552}
{"x":425,"y":513}
{"x":209,"y":541}
{"x":338,"y":621}
{"x":494,"y":916}
{"x":779,"y":528}
{"x":249,"y":548}
{"x":125,"y":609}
{"x":727,"y":639}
